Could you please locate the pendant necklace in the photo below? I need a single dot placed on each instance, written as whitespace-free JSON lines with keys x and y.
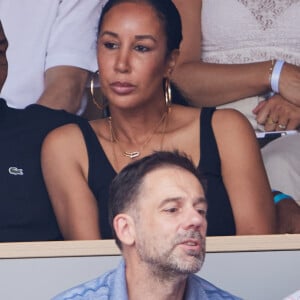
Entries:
{"x":135,"y":154}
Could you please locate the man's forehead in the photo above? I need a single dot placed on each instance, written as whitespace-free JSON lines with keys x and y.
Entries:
{"x":163,"y":170}
{"x":169,"y":176}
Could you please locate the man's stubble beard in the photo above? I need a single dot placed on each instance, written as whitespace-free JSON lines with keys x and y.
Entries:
{"x":169,"y":263}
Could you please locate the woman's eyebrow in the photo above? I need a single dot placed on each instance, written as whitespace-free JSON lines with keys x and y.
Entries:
{"x":145,"y":37}
{"x":137,"y":37}
{"x":109,"y":33}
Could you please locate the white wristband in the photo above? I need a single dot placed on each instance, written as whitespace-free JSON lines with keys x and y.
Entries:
{"x":276,"y":75}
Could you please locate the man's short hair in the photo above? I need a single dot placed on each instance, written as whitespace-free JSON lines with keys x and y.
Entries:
{"x":125,"y":187}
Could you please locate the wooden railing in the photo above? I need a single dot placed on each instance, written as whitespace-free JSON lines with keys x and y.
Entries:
{"x":108,"y":247}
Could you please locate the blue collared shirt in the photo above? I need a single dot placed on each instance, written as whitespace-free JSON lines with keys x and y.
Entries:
{"x":112,"y":286}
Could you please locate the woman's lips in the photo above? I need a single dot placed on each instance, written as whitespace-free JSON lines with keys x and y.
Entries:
{"x":122,"y":88}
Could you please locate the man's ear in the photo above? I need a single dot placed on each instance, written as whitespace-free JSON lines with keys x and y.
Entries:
{"x":125,"y":229}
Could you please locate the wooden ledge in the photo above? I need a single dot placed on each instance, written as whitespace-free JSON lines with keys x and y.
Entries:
{"x":108,"y":247}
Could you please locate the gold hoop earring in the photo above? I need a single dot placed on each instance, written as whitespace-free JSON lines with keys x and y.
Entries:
{"x":168,"y":92}
{"x":93,"y":94}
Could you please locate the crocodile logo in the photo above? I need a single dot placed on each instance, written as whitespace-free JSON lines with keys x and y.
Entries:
{"x":15,"y":171}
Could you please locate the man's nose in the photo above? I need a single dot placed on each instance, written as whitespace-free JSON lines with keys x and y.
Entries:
{"x":194,"y":218}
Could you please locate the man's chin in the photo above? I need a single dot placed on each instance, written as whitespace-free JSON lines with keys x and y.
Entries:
{"x":189,"y":253}
{"x":190,"y":262}
{"x":189,"y":268}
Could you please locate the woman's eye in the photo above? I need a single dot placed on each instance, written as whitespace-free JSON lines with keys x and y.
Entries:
{"x":141,"y":48}
{"x":110,"y":45}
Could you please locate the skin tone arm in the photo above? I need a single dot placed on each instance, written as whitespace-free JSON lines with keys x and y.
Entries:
{"x":64,"y":87}
{"x":74,"y":204}
{"x":244,"y":174}
{"x":222,"y":83}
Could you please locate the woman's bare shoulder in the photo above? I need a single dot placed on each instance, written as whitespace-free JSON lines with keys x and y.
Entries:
{"x":63,"y":142}
{"x":63,"y":134}
{"x":232,"y":128}
{"x":230,"y":118}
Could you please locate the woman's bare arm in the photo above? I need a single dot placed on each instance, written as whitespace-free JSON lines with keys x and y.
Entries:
{"x":243,"y":174}
{"x":65,"y":167}
{"x":209,"y":84}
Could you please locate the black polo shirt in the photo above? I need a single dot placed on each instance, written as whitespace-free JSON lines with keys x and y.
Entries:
{"x":26,"y":213}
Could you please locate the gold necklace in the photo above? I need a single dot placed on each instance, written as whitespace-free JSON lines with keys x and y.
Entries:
{"x":135,"y":154}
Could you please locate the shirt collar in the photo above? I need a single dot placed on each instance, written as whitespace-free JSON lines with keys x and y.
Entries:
{"x":119,"y":290}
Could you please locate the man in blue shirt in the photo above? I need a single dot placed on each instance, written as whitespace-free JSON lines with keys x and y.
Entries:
{"x":158,"y":215}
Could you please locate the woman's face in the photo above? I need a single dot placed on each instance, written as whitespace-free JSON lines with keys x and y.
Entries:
{"x":132,"y":55}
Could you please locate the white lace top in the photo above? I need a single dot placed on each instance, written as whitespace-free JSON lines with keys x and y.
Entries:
{"x":242,"y":31}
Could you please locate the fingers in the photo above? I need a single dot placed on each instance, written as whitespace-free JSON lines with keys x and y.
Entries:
{"x":259,"y":106}
{"x":262,"y":112}
{"x":293,"y":124}
{"x":276,"y":120}
{"x":283,"y":121}
{"x":271,"y":124}
{"x":288,"y":116}
{"x":277,"y":114}
{"x":267,"y":116}
{"x":281,"y":126}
